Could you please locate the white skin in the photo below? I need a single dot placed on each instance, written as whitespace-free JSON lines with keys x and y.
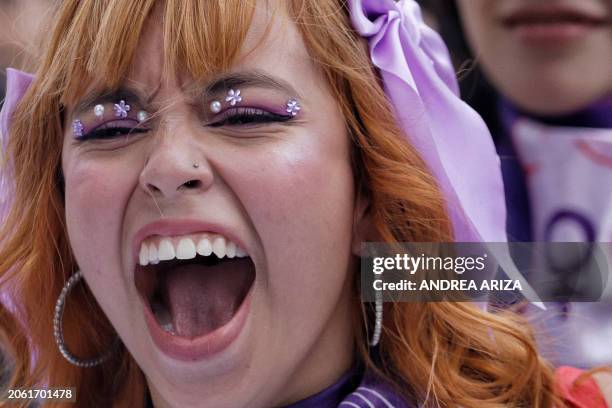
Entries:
{"x":542,"y":78}
{"x":286,"y":190}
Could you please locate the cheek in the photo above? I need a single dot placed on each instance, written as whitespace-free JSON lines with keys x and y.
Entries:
{"x":97,"y":191}
{"x":476,"y":19}
{"x":313,"y":193}
{"x":299,"y":195}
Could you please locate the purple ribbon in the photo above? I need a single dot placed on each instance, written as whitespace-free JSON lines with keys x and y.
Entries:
{"x":450,"y":136}
{"x":17,"y":83}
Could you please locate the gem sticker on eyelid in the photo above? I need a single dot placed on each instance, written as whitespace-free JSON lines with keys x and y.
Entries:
{"x":121,"y":109}
{"x":99,"y":111}
{"x":77,"y":128}
{"x":142,"y":116}
{"x":215,"y":107}
{"x":293,"y":107}
{"x":233,"y":97}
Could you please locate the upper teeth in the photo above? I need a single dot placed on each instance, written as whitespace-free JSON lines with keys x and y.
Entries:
{"x":156,"y":249}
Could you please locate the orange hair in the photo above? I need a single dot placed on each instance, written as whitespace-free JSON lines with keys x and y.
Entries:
{"x":444,"y":354}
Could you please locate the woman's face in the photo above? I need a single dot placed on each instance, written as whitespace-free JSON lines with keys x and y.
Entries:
{"x":550,"y":56}
{"x":260,"y":329}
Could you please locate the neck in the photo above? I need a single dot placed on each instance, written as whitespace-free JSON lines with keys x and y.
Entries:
{"x":331,"y":357}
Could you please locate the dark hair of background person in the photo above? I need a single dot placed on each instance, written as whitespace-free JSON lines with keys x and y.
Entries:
{"x":475,"y":89}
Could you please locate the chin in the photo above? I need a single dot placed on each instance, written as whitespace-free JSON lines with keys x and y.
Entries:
{"x":551,"y":99}
{"x":550,"y":106}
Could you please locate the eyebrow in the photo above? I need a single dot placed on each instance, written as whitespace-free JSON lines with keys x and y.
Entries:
{"x":112,"y":96}
{"x":252,"y":78}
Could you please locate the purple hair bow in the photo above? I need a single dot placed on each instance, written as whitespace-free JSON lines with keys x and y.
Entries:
{"x":17,"y":83}
{"x":452,"y":138}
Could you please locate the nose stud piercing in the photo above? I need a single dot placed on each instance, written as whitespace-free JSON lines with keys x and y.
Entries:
{"x":196,"y":165}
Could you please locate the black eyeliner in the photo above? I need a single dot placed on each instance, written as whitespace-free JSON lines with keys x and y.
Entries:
{"x":110,"y":133}
{"x":249,"y":116}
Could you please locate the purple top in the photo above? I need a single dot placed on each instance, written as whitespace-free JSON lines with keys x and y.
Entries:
{"x":580,"y":325}
{"x":356,"y":390}
{"x":518,"y":223}
{"x":352,"y":390}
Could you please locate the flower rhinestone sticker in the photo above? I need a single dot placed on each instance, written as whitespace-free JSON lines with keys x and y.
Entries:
{"x":233,"y":97}
{"x":77,"y":128}
{"x":293,"y":107}
{"x":121,"y":109}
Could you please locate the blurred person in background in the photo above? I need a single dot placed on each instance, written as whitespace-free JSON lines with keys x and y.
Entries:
{"x":539,"y":73}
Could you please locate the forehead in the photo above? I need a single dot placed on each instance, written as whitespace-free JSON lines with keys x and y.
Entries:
{"x":272,"y":44}
{"x":143,"y":44}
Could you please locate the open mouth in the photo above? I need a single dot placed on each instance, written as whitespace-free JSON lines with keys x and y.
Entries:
{"x":193,"y":285}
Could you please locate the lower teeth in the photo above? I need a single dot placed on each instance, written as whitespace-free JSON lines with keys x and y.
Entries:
{"x":162,"y":315}
{"x":168,"y":327}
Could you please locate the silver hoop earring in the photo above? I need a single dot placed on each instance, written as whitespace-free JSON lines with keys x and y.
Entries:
{"x":59,"y":335}
{"x":378,"y":318}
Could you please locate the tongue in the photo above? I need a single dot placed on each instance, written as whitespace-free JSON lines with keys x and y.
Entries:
{"x":202,"y":298}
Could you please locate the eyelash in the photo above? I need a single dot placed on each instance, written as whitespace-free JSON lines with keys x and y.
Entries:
{"x":110,"y":132}
{"x":231,"y":117}
{"x":248,"y":116}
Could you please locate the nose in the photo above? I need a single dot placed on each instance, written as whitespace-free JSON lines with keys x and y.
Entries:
{"x":175,"y":167}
